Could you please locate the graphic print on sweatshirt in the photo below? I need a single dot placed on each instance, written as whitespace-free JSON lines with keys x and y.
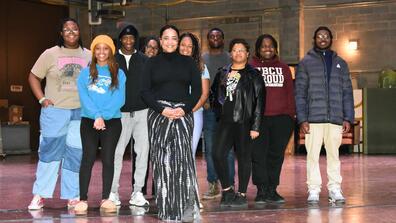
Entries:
{"x":232,"y":82}
{"x":101,"y":84}
{"x":69,"y":68}
{"x":273,"y":76}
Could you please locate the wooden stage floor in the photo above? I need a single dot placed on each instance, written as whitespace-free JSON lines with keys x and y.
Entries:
{"x":369,"y":185}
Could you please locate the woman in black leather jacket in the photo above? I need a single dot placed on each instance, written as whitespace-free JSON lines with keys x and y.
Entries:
{"x":238,"y":97}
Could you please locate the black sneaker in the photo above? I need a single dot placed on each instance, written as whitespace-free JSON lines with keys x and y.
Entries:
{"x":227,"y":197}
{"x":239,"y":201}
{"x":262,"y":194}
{"x":274,"y":197}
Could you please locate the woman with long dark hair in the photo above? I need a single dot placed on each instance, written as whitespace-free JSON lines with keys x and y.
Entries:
{"x":101,"y":87}
{"x":171,"y":89}
{"x":189,"y":46}
{"x":60,"y":143}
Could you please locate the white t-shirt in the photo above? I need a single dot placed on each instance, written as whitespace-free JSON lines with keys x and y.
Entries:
{"x":127,"y":57}
{"x":205,"y":75}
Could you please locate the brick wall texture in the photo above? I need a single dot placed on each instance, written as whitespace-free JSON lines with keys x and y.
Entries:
{"x":372,"y":23}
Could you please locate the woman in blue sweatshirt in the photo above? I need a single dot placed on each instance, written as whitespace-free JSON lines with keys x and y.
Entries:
{"x":101,"y":87}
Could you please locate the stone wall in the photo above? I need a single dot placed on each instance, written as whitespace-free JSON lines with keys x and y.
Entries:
{"x":292,"y":22}
{"x":238,"y":19}
{"x":372,"y":23}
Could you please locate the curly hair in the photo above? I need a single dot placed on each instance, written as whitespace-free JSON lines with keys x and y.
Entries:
{"x":259,"y":41}
{"x":61,"y":41}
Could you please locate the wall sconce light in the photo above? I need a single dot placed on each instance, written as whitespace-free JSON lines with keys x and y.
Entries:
{"x":353,"y":44}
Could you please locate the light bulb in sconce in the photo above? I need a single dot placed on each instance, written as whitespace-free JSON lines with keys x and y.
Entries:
{"x":353,"y":44}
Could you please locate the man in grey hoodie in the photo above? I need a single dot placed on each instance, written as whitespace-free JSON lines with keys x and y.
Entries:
{"x":324,"y":106}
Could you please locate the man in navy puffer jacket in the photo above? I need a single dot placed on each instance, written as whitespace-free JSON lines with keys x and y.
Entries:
{"x":324,"y":106}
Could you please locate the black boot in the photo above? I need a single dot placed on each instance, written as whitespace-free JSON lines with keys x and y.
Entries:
{"x":239,"y":201}
{"x":262,"y":194}
{"x":274,"y":197}
{"x":227,"y":197}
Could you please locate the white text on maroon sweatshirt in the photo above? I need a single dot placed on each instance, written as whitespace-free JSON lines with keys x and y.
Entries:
{"x":273,"y":76}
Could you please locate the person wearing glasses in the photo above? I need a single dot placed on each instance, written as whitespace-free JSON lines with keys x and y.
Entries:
{"x":60,"y":142}
{"x":151,"y":46}
{"x":238,"y":101}
{"x":324,"y":106}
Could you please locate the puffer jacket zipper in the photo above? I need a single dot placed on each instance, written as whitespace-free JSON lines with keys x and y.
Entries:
{"x":326,"y":86}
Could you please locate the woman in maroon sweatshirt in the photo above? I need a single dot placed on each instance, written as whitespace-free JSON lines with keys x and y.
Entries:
{"x":277,"y":123}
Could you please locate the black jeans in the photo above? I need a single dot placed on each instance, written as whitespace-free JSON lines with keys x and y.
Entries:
{"x":90,"y":139}
{"x":233,"y":135}
{"x":269,"y":149}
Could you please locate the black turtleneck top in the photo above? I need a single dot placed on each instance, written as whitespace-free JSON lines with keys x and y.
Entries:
{"x":171,"y":77}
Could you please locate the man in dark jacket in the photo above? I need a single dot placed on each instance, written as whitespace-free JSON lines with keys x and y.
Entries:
{"x":324,"y":106}
{"x":134,"y":117}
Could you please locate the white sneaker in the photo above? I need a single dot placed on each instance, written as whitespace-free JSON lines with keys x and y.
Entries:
{"x":138,"y":211}
{"x":313,"y":196}
{"x":115,"y":198}
{"x":335,"y":196}
{"x":137,"y":199}
{"x":37,"y":203}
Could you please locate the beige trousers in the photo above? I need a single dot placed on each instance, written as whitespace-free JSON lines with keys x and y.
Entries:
{"x":331,"y":136}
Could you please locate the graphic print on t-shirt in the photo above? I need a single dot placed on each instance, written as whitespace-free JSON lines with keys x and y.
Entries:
{"x":273,"y":76}
{"x":101,"y":84}
{"x":232,"y":82}
{"x":69,"y":68}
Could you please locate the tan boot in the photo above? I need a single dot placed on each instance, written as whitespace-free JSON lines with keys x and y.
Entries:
{"x":108,"y":206}
{"x":213,"y":192}
{"x":81,"y":207}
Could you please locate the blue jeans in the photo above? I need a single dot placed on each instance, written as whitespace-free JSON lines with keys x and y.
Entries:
{"x":60,"y":147}
{"x":209,"y":128}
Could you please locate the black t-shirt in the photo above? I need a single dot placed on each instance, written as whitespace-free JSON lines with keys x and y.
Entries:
{"x":232,"y":81}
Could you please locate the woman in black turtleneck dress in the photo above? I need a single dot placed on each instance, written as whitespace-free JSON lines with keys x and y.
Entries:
{"x":167,"y":80}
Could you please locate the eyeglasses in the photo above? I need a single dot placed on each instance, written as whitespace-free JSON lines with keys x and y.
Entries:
{"x":323,"y":36}
{"x":70,"y":31}
{"x":152,"y":47}
{"x":239,"y":51}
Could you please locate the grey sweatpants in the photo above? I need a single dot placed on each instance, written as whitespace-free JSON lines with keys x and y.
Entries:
{"x":133,"y":125}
